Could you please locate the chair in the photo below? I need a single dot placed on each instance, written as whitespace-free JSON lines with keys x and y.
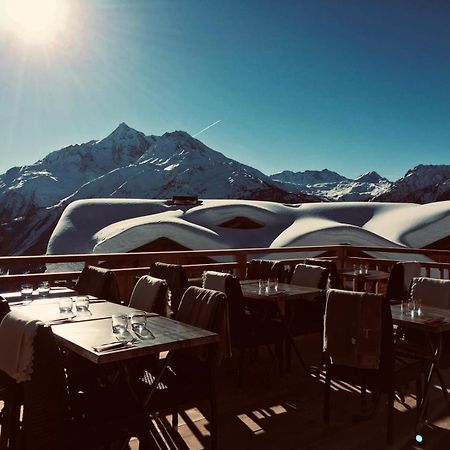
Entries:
{"x":306,"y":315}
{"x":263,"y":268}
{"x":362,"y":352}
{"x":176,"y":279}
{"x":334,"y":281}
{"x":150,"y":295}
{"x":400,"y":279}
{"x":191,"y":377}
{"x":56,"y":419}
{"x":9,"y":415}
{"x":429,"y":292}
{"x":99,"y":282}
{"x":246,"y":330}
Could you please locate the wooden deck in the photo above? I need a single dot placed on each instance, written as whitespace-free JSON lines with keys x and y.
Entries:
{"x":285,"y":412}
{"x":272,"y":412}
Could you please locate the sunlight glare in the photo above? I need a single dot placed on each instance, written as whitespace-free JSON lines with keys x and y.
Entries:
{"x":36,"y":21}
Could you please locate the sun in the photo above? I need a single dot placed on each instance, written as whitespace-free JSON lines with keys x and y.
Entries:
{"x":36,"y":21}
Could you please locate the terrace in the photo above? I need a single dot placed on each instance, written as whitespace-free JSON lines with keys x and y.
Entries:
{"x":270,"y":410}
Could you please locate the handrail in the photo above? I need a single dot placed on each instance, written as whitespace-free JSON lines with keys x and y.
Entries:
{"x":92,"y":257}
{"x":128,"y":266}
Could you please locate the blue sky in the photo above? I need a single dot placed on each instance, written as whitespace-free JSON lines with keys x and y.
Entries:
{"x":348,"y":85}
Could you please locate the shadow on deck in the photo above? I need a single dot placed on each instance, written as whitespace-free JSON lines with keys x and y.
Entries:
{"x":285,"y":412}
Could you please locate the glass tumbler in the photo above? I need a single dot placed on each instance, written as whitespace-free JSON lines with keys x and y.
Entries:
{"x":26,"y":290}
{"x":138,"y":322}
{"x":82,"y":304}
{"x":119,"y":323}
{"x":44,"y":288}
{"x":65,"y":305}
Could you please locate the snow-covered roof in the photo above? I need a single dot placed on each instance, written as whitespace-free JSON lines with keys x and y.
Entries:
{"x":122,"y":225}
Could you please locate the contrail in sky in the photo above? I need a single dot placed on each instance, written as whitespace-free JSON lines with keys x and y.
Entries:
{"x":207,"y":128}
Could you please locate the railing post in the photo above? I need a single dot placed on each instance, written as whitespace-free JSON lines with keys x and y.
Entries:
{"x":341,"y":254}
{"x":241,"y":259}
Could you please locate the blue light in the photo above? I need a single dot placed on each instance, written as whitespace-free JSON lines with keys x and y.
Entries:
{"x":419,"y":438}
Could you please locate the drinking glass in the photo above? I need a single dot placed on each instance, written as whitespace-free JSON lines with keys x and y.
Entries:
{"x":65,"y":305}
{"x":26,"y":290}
{"x":138,"y":322}
{"x":82,"y":304}
{"x":274,"y":284}
{"x":44,"y":288}
{"x":418,"y":306}
{"x":404,"y":306}
{"x":119,"y":323}
{"x":261,"y":285}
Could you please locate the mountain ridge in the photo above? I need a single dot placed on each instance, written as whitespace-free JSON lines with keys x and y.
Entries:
{"x":129,"y":164}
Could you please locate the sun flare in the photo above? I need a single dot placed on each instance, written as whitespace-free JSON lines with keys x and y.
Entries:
{"x":36,"y":21}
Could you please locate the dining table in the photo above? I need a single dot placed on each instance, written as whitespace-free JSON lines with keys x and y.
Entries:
{"x":362,"y":279}
{"x":433,"y":322}
{"x":89,"y":334}
{"x":280,"y":295}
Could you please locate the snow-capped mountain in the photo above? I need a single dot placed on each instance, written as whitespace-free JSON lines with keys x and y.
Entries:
{"x":129,"y":164}
{"x":422,"y":184}
{"x":308,"y":177}
{"x":125,"y":164}
{"x":330,"y":185}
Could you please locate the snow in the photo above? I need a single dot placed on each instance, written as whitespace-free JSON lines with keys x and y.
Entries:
{"x":122,"y":225}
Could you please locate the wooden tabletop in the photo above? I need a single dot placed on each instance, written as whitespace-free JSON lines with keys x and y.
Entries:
{"x":88,"y":329}
{"x":48,"y":311}
{"x":285,"y":292}
{"x":55,"y":292}
{"x":371,"y":275}
{"x":168,"y":335}
{"x":431,"y":319}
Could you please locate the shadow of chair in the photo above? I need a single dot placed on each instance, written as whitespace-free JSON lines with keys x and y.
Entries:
{"x":99,"y":282}
{"x":359,"y":349}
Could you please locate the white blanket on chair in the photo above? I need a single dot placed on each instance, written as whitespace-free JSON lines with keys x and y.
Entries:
{"x":17,"y":332}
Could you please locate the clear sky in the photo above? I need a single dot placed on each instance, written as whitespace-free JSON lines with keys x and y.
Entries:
{"x":353,"y":85}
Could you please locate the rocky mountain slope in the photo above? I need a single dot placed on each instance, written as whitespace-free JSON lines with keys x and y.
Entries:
{"x":125,"y":164}
{"x":129,"y":164}
{"x":330,"y":185}
{"x":423,"y":184}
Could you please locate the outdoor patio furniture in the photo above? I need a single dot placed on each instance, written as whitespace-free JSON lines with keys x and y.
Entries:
{"x":359,"y":349}
{"x":8,"y":391}
{"x":265,"y":269}
{"x":150,"y":294}
{"x":400,"y":279}
{"x":306,"y":316}
{"x":191,"y":375}
{"x":334,"y":282}
{"x":175,"y":277}
{"x":247,"y":331}
{"x":99,"y":282}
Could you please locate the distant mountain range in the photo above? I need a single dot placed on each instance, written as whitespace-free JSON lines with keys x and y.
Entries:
{"x":129,"y":164}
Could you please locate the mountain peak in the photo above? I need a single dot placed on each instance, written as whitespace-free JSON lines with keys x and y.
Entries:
{"x":123,"y":131}
{"x":370,"y":177}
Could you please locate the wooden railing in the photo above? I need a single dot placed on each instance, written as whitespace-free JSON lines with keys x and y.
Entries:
{"x":128,"y":266}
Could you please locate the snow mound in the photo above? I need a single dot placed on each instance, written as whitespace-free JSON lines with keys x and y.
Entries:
{"x":123,"y":225}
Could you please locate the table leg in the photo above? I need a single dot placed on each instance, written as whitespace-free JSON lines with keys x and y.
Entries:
{"x":435,"y":352}
{"x":282,"y":313}
{"x":144,"y":402}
